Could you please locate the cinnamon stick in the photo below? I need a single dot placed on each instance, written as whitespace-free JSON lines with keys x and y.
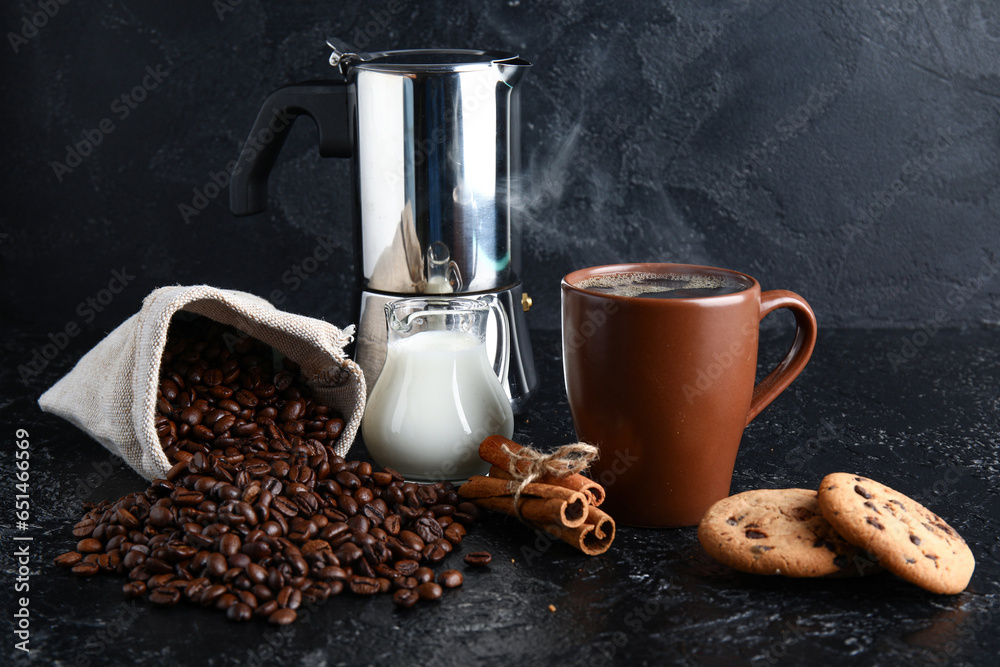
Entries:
{"x":541,"y":504}
{"x":593,"y":537}
{"x":490,"y":450}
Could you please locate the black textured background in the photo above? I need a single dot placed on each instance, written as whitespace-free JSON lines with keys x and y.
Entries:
{"x":845,"y":150}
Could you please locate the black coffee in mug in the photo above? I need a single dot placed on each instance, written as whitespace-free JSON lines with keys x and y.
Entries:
{"x":663,"y":286}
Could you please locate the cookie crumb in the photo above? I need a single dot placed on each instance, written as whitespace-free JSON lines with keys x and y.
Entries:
{"x":552,"y":607}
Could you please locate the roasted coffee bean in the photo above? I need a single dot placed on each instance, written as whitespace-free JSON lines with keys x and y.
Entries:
{"x":256,"y":574}
{"x":450,"y":578}
{"x":165,"y":596}
{"x":405,"y":598}
{"x":428,"y":529}
{"x":478,"y":558}
{"x":89,"y":546}
{"x":240,"y":612}
{"x":411,"y":540}
{"x":68,"y":559}
{"x":289,"y":597}
{"x":423,"y":575}
{"x":363,"y":585}
{"x":84,"y":569}
{"x":429,"y":591}
{"x":434,"y":553}
{"x":225,"y":601}
{"x":134,"y":589}
{"x":282,"y":617}
{"x":405,"y":582}
{"x":160,"y":517}
{"x":229,"y":544}
{"x":406,"y":567}
{"x":454,"y":533}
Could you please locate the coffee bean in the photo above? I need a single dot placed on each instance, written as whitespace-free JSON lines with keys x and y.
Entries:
{"x":406,"y":567}
{"x":478,"y":558}
{"x":282,"y":617}
{"x":225,"y":601}
{"x":89,"y":546}
{"x":165,"y":596}
{"x":454,"y":533}
{"x":229,"y":544}
{"x":134,"y":589}
{"x":423,"y":575}
{"x":68,"y":559}
{"x":363,"y":585}
{"x":85,"y":569}
{"x":429,"y":591}
{"x":450,"y":578}
{"x":241,"y":612}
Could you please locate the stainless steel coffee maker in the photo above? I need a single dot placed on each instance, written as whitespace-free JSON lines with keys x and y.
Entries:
{"x":434,"y":138}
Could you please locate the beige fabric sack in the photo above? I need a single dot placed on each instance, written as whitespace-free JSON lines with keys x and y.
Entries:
{"x":111,"y":393}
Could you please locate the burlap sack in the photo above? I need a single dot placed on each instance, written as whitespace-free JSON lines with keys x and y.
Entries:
{"x":111,"y":393}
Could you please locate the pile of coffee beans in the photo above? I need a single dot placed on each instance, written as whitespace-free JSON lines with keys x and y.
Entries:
{"x":258,"y":513}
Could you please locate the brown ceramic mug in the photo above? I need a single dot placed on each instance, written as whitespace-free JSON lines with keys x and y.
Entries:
{"x":660,"y":377}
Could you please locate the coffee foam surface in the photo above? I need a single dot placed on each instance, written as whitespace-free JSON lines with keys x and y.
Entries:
{"x":632,"y":284}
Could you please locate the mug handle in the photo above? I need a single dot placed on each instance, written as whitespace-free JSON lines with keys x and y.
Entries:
{"x":798,"y":355}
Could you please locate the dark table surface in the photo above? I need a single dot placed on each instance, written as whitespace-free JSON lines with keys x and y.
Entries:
{"x":921,"y":417}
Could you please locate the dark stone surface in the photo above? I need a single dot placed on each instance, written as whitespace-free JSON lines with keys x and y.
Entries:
{"x":925,"y":423}
{"x":842,"y":149}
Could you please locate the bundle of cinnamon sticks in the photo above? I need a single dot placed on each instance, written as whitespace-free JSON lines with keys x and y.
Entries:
{"x":563,"y":506}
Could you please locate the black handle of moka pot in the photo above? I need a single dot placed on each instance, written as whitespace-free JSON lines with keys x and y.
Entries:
{"x":329,"y":103}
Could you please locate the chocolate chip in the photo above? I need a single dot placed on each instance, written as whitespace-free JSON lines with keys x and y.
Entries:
{"x":915,"y":539}
{"x":802,"y":514}
{"x":732,"y":521}
{"x":827,"y":544}
{"x":874,"y":522}
{"x":861,"y":491}
{"x":755,"y":534}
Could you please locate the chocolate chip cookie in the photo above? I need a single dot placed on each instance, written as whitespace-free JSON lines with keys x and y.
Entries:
{"x":907,"y":538}
{"x":779,"y":531}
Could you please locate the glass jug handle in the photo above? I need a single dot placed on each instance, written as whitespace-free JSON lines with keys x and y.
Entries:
{"x":502,"y":359}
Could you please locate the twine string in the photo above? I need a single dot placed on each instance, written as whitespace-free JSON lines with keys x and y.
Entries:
{"x":567,"y":460}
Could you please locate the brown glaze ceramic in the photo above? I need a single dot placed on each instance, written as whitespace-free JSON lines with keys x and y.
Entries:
{"x":664,"y":387}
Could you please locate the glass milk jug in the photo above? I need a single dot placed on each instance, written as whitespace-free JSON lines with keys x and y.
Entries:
{"x":437,"y":396}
